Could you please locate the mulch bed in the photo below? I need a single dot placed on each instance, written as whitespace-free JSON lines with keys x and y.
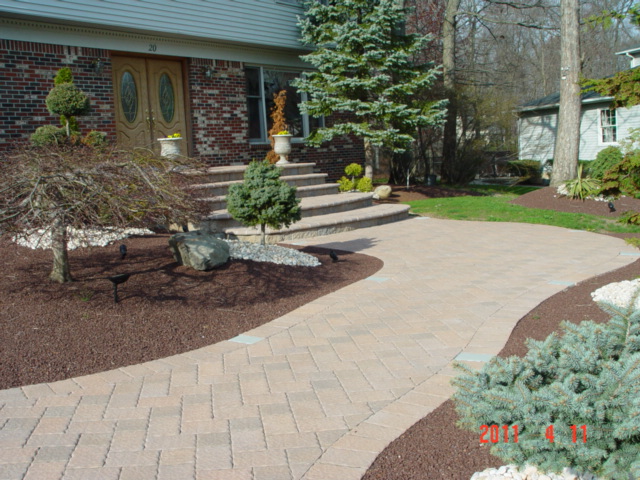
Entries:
{"x":51,"y":332}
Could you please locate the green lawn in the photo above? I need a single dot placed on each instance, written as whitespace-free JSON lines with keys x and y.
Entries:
{"x":495,"y":207}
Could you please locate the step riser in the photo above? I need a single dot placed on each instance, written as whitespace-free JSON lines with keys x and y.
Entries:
{"x":315,"y":232}
{"x":329,"y":189}
{"x":219,"y":174}
{"x":214,"y":190}
{"x":222,"y":224}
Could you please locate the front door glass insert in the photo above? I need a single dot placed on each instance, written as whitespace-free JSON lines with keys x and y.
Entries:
{"x":129,"y":97}
{"x":167,"y":98}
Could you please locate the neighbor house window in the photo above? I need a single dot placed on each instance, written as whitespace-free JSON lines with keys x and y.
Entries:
{"x":608,"y":126}
{"x":262,"y":84}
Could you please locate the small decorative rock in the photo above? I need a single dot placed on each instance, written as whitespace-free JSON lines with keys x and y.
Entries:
{"x":529,"y":472}
{"x":198,"y":250}
{"x":382,"y":192}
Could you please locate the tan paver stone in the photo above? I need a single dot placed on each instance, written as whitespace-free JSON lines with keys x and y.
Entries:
{"x":259,"y":458}
{"x":16,"y":455}
{"x":177,"y":456}
{"x":214,"y":457}
{"x":303,"y":455}
{"x":132,"y":459}
{"x":128,"y":441}
{"x":142,"y":472}
{"x":45,"y":471}
{"x":104,"y":426}
{"x":173,"y":472}
{"x":88,"y":456}
{"x":272,"y":473}
{"x":163,"y":442}
{"x":235,"y":474}
{"x":292,"y":440}
{"x":333,"y":472}
{"x":327,"y":438}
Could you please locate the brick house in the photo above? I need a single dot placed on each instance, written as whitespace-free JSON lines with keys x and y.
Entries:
{"x":206,"y":69}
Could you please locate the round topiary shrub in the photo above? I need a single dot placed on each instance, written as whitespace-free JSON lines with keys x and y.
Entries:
{"x":68,"y":100}
{"x":605,"y":160}
{"x":47,"y":135}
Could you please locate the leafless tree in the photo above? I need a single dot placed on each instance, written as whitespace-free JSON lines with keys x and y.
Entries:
{"x":63,"y":186}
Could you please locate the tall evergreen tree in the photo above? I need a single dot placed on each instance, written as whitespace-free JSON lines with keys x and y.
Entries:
{"x":365,"y":68}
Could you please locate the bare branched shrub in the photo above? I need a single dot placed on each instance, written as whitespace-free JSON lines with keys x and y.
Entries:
{"x":61,"y":186}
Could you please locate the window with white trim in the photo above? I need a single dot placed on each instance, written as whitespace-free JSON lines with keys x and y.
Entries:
{"x":262,"y":84}
{"x":608,"y":126}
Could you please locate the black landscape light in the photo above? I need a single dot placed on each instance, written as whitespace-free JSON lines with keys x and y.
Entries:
{"x":123,"y":251}
{"x":333,"y":256}
{"x":612,"y":207}
{"x":117,"y":280}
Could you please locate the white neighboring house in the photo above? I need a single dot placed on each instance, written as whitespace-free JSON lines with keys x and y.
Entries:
{"x":600,"y":126}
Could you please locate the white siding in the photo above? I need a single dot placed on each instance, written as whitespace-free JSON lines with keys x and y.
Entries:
{"x":271,"y":23}
{"x":537,"y":131}
{"x":536,"y":136}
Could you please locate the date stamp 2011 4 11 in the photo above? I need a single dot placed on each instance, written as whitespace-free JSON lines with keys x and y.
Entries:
{"x":509,"y":433}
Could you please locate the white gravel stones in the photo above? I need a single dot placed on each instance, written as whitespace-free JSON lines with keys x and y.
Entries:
{"x":237,"y":250}
{"x":79,"y":238}
{"x":529,"y":472}
{"x":271,"y":253}
{"x":619,"y":294}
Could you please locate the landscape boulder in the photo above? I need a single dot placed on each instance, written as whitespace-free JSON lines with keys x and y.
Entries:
{"x":382,"y":192}
{"x":198,"y":250}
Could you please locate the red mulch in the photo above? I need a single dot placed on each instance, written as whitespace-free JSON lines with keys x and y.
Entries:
{"x":52,"y":332}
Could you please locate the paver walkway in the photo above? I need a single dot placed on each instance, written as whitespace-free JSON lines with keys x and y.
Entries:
{"x":319,"y":392}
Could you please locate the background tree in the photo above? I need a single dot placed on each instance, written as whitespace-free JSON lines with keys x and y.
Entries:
{"x":365,"y":69}
{"x":263,"y":199}
{"x":64,"y":186}
{"x":565,"y":158}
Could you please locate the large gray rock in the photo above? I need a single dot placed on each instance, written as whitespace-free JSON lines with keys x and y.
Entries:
{"x":199,"y":250}
{"x":382,"y":192}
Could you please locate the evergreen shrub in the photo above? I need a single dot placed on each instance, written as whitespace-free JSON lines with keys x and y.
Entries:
{"x":528,"y":170}
{"x":624,"y":177}
{"x":605,"y":160}
{"x":587,"y":376}
{"x":47,"y":135}
{"x":365,"y":184}
{"x":263,"y":199}
{"x":68,"y":100}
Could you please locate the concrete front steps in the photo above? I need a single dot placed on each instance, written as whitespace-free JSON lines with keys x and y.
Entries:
{"x":324,"y":209}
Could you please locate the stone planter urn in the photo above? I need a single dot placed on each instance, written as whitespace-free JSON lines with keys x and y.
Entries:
{"x":170,"y":147}
{"x":282,"y":147}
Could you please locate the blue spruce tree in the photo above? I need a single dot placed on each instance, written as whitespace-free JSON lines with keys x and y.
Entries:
{"x":365,"y":67}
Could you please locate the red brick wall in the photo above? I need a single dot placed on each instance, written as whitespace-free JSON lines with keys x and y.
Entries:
{"x":26,"y":77}
{"x":218,"y":112}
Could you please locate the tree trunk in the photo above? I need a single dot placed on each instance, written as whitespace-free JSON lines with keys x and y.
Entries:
{"x":263,"y":233}
{"x":565,"y":161}
{"x":60,"y":272}
{"x":449,"y":139}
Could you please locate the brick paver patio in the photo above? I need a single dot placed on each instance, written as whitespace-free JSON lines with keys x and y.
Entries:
{"x":319,"y":392}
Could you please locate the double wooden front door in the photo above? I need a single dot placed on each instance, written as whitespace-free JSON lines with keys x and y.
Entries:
{"x":149,"y":99}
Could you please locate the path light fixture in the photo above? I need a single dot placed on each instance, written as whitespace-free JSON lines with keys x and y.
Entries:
{"x":123,"y":251}
{"x":612,"y":207}
{"x":334,"y":256}
{"x":118,"y":280}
